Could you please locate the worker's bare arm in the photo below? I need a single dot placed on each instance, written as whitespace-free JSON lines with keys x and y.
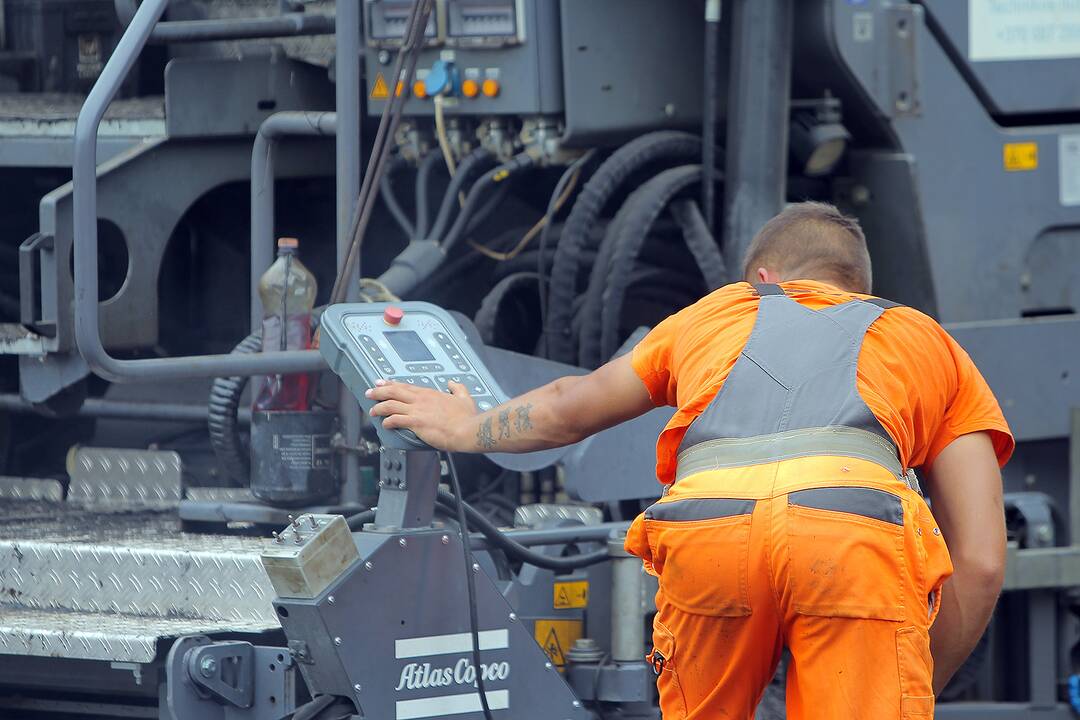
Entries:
{"x":965,"y":486}
{"x":559,"y":413}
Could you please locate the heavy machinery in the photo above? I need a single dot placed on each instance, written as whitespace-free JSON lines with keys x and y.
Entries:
{"x":527,"y":184}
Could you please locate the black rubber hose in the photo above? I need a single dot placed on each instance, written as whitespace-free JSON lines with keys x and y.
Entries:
{"x":312,"y":708}
{"x":672,"y":147}
{"x":480,"y":190}
{"x":356,"y":522}
{"x":702,"y":244}
{"x":642,"y":209}
{"x":386,"y":192}
{"x":514,"y":549}
{"x":224,"y":402}
{"x":423,"y":184}
{"x":450,"y":197}
{"x":487,"y":316}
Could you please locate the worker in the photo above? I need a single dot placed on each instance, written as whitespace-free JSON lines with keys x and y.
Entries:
{"x":790,"y":514}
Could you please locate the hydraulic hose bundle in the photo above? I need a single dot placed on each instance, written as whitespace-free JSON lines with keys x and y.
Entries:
{"x":578,"y":237}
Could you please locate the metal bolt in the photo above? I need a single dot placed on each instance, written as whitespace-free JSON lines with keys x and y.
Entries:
{"x":547,"y":666}
{"x":402,"y":542}
{"x":277,"y":538}
{"x":513,"y":617}
{"x":384,"y":57}
{"x":1043,"y":533}
{"x":296,"y":537}
{"x":356,"y":688}
{"x":207,"y":666}
{"x":337,"y":641}
{"x":577,"y":703}
{"x":445,"y":539}
{"x":330,"y":599}
{"x":475,"y":567}
{"x":669,"y":110}
{"x":369,"y":565}
{"x":936,"y":531}
{"x":314,"y":522}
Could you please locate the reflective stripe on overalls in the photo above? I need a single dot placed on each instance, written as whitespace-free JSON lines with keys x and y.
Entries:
{"x":792,"y":521}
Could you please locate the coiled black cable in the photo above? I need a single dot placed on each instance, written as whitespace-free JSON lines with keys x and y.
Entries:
{"x":514,"y":549}
{"x":423,"y":180}
{"x":464,"y":171}
{"x":386,"y":192}
{"x":666,"y":146}
{"x":479,"y":190}
{"x":225,"y":393}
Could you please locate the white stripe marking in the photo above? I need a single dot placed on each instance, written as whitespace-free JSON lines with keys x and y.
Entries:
{"x":449,"y":644}
{"x":451,"y":705}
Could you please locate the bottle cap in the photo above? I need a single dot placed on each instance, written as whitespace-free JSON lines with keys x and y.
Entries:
{"x":291,"y":243}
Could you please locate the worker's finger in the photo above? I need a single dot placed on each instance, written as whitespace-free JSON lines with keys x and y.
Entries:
{"x":396,"y":422}
{"x":380,"y":381}
{"x":389,"y":407}
{"x":457,"y":389}
{"x":391,"y":391}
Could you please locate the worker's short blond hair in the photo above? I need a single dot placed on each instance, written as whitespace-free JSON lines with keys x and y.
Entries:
{"x":813,"y":241}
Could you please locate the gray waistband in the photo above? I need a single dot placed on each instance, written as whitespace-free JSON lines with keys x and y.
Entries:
{"x":834,"y":441}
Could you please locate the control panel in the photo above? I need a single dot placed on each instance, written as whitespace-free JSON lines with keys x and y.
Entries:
{"x":410,"y":342}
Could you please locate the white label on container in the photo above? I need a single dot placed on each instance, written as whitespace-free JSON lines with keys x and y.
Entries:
{"x":1023,"y":29}
{"x":1069,"y":169}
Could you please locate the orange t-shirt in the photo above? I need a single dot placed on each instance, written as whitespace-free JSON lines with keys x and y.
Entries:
{"x":918,"y":382}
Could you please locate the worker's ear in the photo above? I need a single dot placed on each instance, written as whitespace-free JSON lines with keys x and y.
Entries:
{"x":767,"y":276}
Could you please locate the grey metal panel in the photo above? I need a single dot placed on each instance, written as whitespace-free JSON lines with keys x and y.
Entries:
{"x":630,"y":66}
{"x":1011,"y":86}
{"x":529,"y":73}
{"x":394,"y":635}
{"x":54,"y":151}
{"x":1033,"y":368}
{"x":119,"y":477}
{"x":978,"y":216}
{"x":99,"y":636}
{"x":258,"y":87}
{"x":18,"y":488}
{"x":142,"y":582}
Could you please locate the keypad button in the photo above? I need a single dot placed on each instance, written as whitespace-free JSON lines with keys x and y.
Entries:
{"x":484,"y":402}
{"x":473,"y":385}
{"x":424,"y":367}
{"x":424,"y":381}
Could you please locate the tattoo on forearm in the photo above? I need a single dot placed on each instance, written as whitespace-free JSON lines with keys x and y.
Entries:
{"x":484,"y":438}
{"x":504,"y":424}
{"x":485,"y":434}
{"x":522,"y":421}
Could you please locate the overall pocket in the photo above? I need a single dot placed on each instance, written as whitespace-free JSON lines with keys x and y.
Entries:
{"x":664,"y":664}
{"x":700,"y":549}
{"x":846,"y":546}
{"x":916,"y":674}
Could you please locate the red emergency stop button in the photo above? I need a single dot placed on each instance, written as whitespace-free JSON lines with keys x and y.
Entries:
{"x":392,"y":315}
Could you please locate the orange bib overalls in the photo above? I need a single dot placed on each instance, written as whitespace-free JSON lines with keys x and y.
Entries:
{"x":793,"y":522}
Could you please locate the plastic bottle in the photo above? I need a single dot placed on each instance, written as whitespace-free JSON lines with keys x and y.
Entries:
{"x":287,"y":290}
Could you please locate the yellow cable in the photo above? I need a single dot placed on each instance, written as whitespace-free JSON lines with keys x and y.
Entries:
{"x":444,"y":142}
{"x":533,"y":231}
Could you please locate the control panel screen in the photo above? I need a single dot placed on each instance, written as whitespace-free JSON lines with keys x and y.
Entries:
{"x":408,"y":345}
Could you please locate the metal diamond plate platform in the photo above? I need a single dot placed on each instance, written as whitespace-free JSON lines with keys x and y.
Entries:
{"x":83,"y":582}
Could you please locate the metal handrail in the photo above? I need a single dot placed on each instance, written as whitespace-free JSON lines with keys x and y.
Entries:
{"x":85,"y":250}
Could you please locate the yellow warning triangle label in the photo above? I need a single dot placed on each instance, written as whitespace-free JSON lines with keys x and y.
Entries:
{"x":380,"y":90}
{"x":562,"y":600}
{"x":553,"y":648}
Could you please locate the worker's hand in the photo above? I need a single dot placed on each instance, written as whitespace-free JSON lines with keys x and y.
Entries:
{"x":436,"y":417}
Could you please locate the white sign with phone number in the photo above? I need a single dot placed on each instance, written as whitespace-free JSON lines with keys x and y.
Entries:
{"x":1023,"y":29}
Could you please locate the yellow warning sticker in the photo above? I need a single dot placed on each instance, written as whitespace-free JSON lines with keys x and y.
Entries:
{"x":1021,"y":156}
{"x":380,"y":90}
{"x":556,"y":637}
{"x":573,"y":594}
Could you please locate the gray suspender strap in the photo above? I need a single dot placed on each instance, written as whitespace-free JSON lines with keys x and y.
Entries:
{"x":806,"y":442}
{"x":883,"y":303}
